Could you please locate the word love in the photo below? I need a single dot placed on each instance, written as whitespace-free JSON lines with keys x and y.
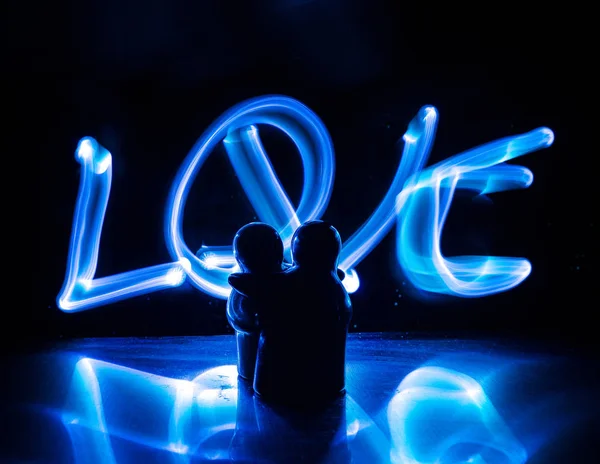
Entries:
{"x":418,"y":200}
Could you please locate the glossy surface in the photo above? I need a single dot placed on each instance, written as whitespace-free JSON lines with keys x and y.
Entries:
{"x":409,"y":400}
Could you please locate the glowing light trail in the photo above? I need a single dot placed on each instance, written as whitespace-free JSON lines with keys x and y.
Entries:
{"x":419,"y":199}
{"x":257,"y":177}
{"x":80,"y":289}
{"x":423,"y":207}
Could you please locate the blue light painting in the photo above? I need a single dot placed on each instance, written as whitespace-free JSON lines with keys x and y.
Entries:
{"x":417,"y":201}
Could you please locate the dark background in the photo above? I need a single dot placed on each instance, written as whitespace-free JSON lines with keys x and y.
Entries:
{"x":147,"y":78}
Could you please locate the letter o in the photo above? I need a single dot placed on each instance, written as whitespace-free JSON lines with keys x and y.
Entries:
{"x":305,"y":129}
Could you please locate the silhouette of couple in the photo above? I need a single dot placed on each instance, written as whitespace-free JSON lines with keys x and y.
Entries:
{"x":291,"y":322}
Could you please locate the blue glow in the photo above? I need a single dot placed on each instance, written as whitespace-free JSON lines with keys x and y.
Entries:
{"x":107,"y":401}
{"x":438,"y":402}
{"x":418,"y":140}
{"x":440,"y":415}
{"x":423,"y":207}
{"x":257,"y":177}
{"x":80,"y":289}
{"x":419,"y":199}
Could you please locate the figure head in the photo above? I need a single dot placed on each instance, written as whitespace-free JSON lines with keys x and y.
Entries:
{"x":316,"y":245}
{"x":257,"y":247}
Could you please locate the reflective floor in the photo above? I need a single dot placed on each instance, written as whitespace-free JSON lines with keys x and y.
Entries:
{"x":178,"y":400}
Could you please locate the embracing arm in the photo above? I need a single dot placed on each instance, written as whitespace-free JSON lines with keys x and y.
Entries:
{"x":244,"y":283}
{"x":241,"y":314}
{"x":256,"y":286}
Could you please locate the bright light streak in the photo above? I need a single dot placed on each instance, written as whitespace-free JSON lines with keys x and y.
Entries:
{"x":418,"y":140}
{"x":236,"y":128}
{"x":80,"y":290}
{"x":419,"y":199}
{"x":423,"y":206}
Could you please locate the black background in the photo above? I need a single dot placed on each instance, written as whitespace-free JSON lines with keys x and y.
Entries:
{"x":146,"y":79}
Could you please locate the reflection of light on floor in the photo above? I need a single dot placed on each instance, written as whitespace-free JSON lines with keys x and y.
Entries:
{"x":437,"y":411}
{"x":107,"y":400}
{"x":437,"y":415}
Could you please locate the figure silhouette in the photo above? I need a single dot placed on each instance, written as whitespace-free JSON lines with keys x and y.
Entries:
{"x":258,"y":250}
{"x":303,"y":316}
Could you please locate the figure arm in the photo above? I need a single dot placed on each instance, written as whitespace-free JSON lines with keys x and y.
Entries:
{"x":246,"y":284}
{"x":241,"y":314}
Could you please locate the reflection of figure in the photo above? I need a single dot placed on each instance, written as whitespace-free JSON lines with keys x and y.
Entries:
{"x":299,"y":436}
{"x":244,"y":445}
{"x":259,"y":252}
{"x":273,"y":435}
{"x":303,"y":320}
